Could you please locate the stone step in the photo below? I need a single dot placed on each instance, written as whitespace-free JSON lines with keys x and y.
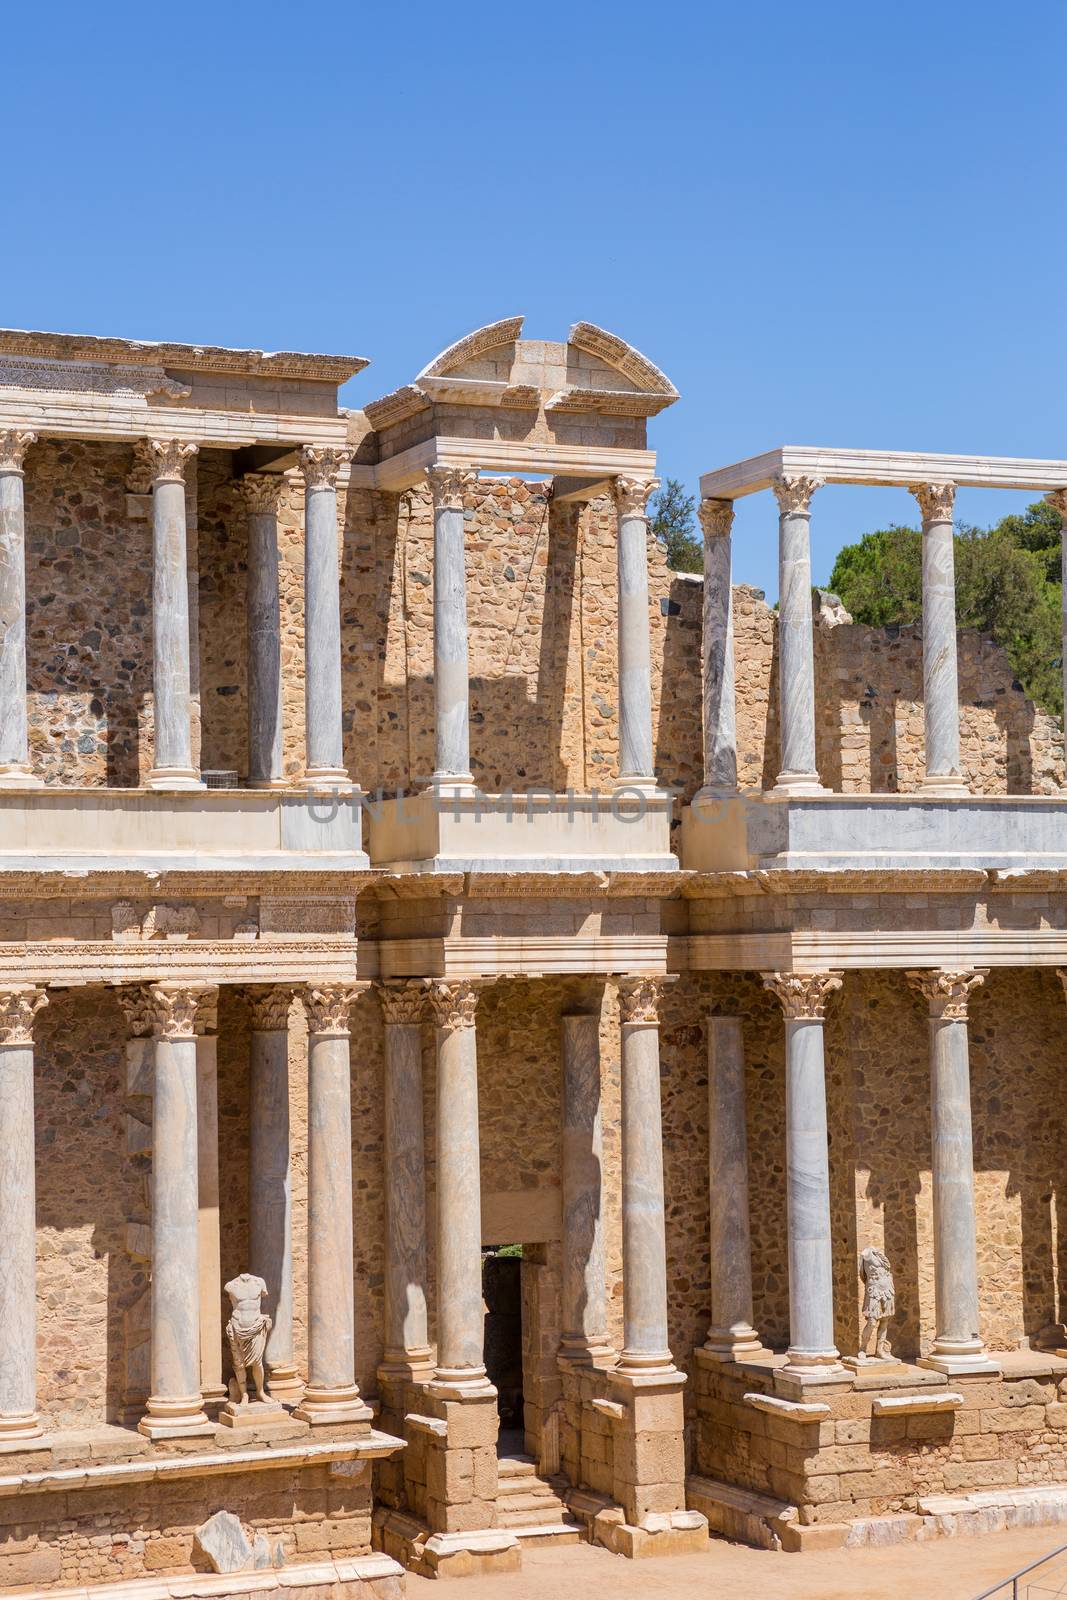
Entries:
{"x":508,"y":1488}
{"x":549,"y":1533}
{"x":543,"y":1500}
{"x":544,"y":1512}
{"x":515,"y":1466}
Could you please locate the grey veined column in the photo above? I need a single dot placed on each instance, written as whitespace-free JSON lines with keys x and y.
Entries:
{"x":719,"y":700}
{"x":175,"y":1402}
{"x":263,"y":615}
{"x":19,"y":1005}
{"x":958,"y":1346}
{"x":796,"y":658}
{"x":450,"y":487}
{"x":731,"y":1335}
{"x":1058,"y":500}
{"x":172,"y":766}
{"x":270,"y":1220}
{"x":460,"y":1318}
{"x":644,"y":1244}
{"x":585,"y":1308}
{"x":635,"y":669}
{"x":324,"y":764}
{"x":15,"y":769}
{"x":812,"y":1352}
{"x":408,"y":1353}
{"x":209,"y":1243}
{"x":941,"y":690}
{"x":331,"y":1394}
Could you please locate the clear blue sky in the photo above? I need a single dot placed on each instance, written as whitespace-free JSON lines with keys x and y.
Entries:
{"x":829,"y":223}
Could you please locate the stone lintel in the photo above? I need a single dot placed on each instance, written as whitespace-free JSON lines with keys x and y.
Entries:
{"x":895,"y":468}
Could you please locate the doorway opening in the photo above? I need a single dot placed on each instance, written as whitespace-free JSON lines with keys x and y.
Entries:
{"x":502,"y":1293}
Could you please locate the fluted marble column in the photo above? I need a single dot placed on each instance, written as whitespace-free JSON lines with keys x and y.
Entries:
{"x":15,"y":770}
{"x":332,"y":1394}
{"x":941,"y":690}
{"x":796,"y":657}
{"x":635,"y":669}
{"x":958,"y":1346}
{"x":209,"y":1241}
{"x":172,"y":766}
{"x":460,"y":1314}
{"x":19,"y":1004}
{"x":803,"y":996}
{"x":175,"y":1403}
{"x":450,"y":487}
{"x":263,"y":617}
{"x":407,"y":1344}
{"x":644,"y":1245}
{"x":720,"y":710}
{"x":270,"y":1230}
{"x":585,"y":1303}
{"x":324,"y":763}
{"x":731,"y":1335}
{"x":1058,"y":501}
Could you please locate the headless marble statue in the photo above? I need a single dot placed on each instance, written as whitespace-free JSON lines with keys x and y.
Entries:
{"x":879,"y":1303}
{"x":247,"y":1332}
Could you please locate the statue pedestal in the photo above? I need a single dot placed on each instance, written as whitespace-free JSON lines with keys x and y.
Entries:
{"x":252,"y":1413}
{"x":872,"y":1364}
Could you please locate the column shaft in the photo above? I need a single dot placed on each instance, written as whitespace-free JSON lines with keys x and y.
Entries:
{"x":731,"y":1333}
{"x":941,"y":695}
{"x":18,"y":1216}
{"x":270,"y":1233}
{"x":585,"y":1311}
{"x":796,"y":658}
{"x":719,"y":700}
{"x":449,"y":487}
{"x":208,"y":1236}
{"x":263,"y":608}
{"x":14,"y":725}
{"x":635,"y":669}
{"x":322,"y":616}
{"x":644,"y":1244}
{"x":1058,"y":500}
{"x":407,"y":1346}
{"x":173,"y":764}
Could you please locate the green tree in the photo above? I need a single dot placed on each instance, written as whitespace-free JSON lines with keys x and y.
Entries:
{"x":671,"y":514}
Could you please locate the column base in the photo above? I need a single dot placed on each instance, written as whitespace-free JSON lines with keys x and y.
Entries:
{"x":594,"y":1351}
{"x":645,"y":1364}
{"x":794,"y":1379}
{"x":408,"y":1366}
{"x":175,"y":1419}
{"x":321,"y":1406}
{"x":215,"y":1395}
{"x":956,"y":1360}
{"x":174,"y":778}
{"x":947,"y":786}
{"x":274,"y":784}
{"x":643,"y":782}
{"x":326,"y":778}
{"x":451,"y":785}
{"x":798,"y":783}
{"x":17,"y":1425}
{"x":460,"y":1383}
{"x":15,"y":775}
{"x":733,"y":1344}
{"x":285,"y":1385}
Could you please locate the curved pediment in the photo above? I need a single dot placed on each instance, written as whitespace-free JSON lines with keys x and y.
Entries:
{"x":468,"y":353}
{"x":640,"y":372}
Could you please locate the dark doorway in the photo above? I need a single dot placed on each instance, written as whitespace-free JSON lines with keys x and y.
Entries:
{"x":502,"y":1290}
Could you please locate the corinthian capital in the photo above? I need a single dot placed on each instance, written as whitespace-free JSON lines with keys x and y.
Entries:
{"x":639,"y":999}
{"x":454,"y":1004}
{"x":261,"y":492}
{"x":270,"y":1009}
{"x":320,"y":464}
{"x":1057,"y":499}
{"x":14,"y":442}
{"x":167,"y":459}
{"x":450,"y":486}
{"x":632,"y":495}
{"x":136,"y":1003}
{"x":794,"y":494}
{"x":18,"y":1007}
{"x":403,"y":1003}
{"x":329,"y":1006}
{"x":716,"y":518}
{"x":946,"y":993}
{"x":936,"y":500}
{"x":175,"y":1007}
{"x":802,"y":995}
{"x":207,"y":1011}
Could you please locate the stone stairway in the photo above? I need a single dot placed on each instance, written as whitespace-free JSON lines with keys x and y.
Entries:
{"x":532,"y":1506}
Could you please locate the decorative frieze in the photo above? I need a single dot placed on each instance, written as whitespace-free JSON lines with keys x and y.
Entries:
{"x":450,"y":486}
{"x":14,"y":442}
{"x":174,"y":1009}
{"x":307,"y":913}
{"x":89,"y":377}
{"x":18,"y":1007}
{"x":802,"y":995}
{"x":321,"y":463}
{"x":793,"y":494}
{"x":639,"y":999}
{"x":632,"y":495}
{"x":946,"y":993}
{"x":936,"y":500}
{"x":168,"y":459}
{"x":403,"y":1003}
{"x":270,"y":1009}
{"x":454,"y":1005}
{"x":716,"y":518}
{"x":329,"y":1005}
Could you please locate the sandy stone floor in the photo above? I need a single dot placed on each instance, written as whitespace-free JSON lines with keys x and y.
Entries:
{"x":945,"y":1569}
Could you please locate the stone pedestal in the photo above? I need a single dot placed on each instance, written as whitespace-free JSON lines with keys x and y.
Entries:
{"x":635,"y":672}
{"x":324,"y":765}
{"x":450,"y":487}
{"x":270,"y":1230}
{"x":19,"y":1005}
{"x":941,"y":694}
{"x":796,"y":658}
{"x":172,"y":766}
{"x":15,"y":769}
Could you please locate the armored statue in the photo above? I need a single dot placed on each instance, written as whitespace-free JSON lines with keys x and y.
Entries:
{"x":247,"y":1332}
{"x":879,"y":1303}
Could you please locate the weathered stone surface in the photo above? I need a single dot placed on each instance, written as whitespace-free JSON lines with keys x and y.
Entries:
{"x":222,"y":1542}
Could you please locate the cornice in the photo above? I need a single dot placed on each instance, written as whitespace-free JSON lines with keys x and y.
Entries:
{"x":186,"y":357}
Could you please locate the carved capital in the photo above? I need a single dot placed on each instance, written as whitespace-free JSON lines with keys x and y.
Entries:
{"x":450,"y":486}
{"x":175,"y":1007}
{"x":14,"y":442}
{"x":639,"y":999}
{"x":794,"y":494}
{"x":261,"y":492}
{"x":207,"y":1012}
{"x":936,"y":500}
{"x":328,"y":1007}
{"x":1057,"y":499}
{"x":167,"y":459}
{"x":18,"y":1007}
{"x":270,"y":1009}
{"x":946,"y":993}
{"x":136,"y":1003}
{"x":403,"y":1003}
{"x":716,"y":518}
{"x":803,"y":995}
{"x":632,"y":495}
{"x":320,"y":464}
{"x":454,"y":1004}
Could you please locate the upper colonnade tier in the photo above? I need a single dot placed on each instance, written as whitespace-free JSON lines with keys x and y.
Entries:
{"x":890,"y":468}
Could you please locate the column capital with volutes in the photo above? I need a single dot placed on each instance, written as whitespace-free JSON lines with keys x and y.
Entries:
{"x":1057,"y":499}
{"x":455,"y":1003}
{"x":261,"y":492}
{"x":936,"y":500}
{"x":14,"y":442}
{"x":176,"y":1007}
{"x":19,"y":1004}
{"x":329,"y":1007}
{"x":793,"y":493}
{"x":802,"y":995}
{"x":168,"y":458}
{"x":640,"y":997}
{"x":269,"y":1009}
{"x":450,"y":486}
{"x":716,"y":518}
{"x":633,"y":494}
{"x":321,"y":463}
{"x":403,"y":1001}
{"x":947,"y":993}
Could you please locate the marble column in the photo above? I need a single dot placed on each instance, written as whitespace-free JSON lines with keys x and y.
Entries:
{"x":796,"y":656}
{"x":941,"y":690}
{"x":720,"y":710}
{"x":15,"y":770}
{"x":646,"y":1349}
{"x":209,"y":1243}
{"x":450,"y":488}
{"x":270,"y":1211}
{"x":325,"y":764}
{"x":635,"y":669}
{"x":812,"y":1352}
{"x":585,"y":1299}
{"x":731,"y":1335}
{"x":408,"y":1353}
{"x":175,"y":1404}
{"x":19,"y":1004}
{"x":460,"y":1312}
{"x":172,"y":766}
{"x":958,"y":1346}
{"x":1057,"y":499}
{"x":331,"y":1394}
{"x":263,"y":616}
